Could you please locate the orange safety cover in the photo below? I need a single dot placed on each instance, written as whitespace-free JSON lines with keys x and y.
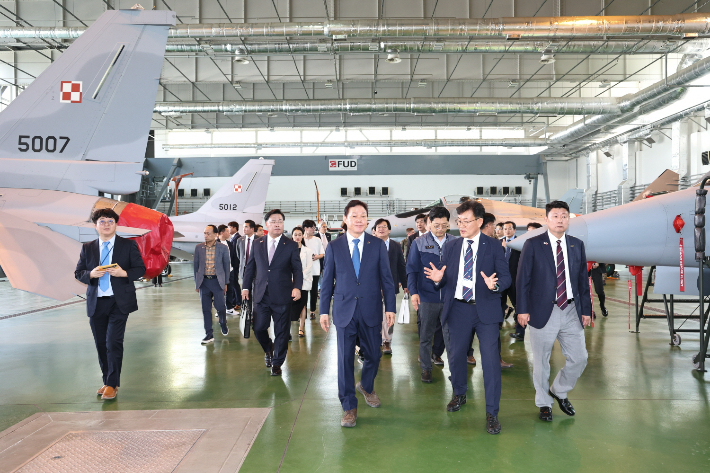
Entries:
{"x":154,"y":246}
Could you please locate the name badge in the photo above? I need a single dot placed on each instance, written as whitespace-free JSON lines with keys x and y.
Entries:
{"x":431,"y":247}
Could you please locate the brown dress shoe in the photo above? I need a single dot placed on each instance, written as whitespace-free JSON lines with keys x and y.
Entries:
{"x":471,"y":360}
{"x":370,"y":398}
{"x":349,"y":418}
{"x":503,"y":364}
{"x":387,"y":348}
{"x":109,"y":393}
{"x":101,"y":390}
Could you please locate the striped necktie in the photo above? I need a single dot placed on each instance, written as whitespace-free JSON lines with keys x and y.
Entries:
{"x":561,"y":278}
{"x":468,"y":271}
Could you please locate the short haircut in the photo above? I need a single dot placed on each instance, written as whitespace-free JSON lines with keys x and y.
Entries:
{"x":300,"y":229}
{"x":476,"y":207}
{"x":214,"y":228}
{"x":221,"y":228}
{"x":534,"y":225}
{"x":383,"y":220}
{"x":108,"y":213}
{"x":234,"y":225}
{"x":274,"y":212}
{"x":251,"y":224}
{"x":410,"y":229}
{"x":420,"y":216}
{"x":511,"y":223}
{"x":499,"y":224}
{"x":355,"y":203}
{"x":488,"y":218}
{"x":344,"y":226}
{"x":309,"y":224}
{"x":439,"y":212}
{"x":258,"y":227}
{"x":556,"y":204}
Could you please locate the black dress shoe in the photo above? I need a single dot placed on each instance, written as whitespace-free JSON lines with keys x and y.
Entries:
{"x":268,"y":357}
{"x":565,"y":405}
{"x":546,"y":414}
{"x":437,"y":360}
{"x":492,"y":424}
{"x":456,"y":402}
{"x":516,"y":336}
{"x":426,"y":376}
{"x":275,"y":370}
{"x":605,"y":312}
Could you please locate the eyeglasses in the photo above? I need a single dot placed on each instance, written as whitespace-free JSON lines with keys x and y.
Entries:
{"x":465,"y":223}
{"x":106,"y":221}
{"x":440,"y":226}
{"x":382,"y":227}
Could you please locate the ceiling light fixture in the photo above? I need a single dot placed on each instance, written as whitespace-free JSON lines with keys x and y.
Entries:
{"x":548,"y":57}
{"x":393,"y":56}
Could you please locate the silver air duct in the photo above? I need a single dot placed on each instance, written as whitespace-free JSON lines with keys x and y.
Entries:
{"x":507,"y":142}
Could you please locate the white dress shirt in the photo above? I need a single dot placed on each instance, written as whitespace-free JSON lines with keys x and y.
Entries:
{"x":563,"y":244}
{"x":248,"y":245}
{"x":323,"y":240}
{"x":387,"y":244}
{"x":270,"y":242}
{"x":224,"y":242}
{"x":104,"y":262}
{"x":351,"y":245}
{"x":460,"y":280}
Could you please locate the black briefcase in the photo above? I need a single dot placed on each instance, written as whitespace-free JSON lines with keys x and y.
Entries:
{"x":245,"y":319}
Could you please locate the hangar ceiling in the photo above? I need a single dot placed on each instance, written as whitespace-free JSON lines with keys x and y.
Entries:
{"x":362,"y":64}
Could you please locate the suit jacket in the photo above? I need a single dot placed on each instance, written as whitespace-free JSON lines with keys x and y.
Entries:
{"x":128,"y":257}
{"x":397,"y":266}
{"x":490,"y":259}
{"x":233,"y":257}
{"x":284,"y":274}
{"x":537,"y":279}
{"x":347,"y":291}
{"x":221,"y":264}
{"x":327,"y":235}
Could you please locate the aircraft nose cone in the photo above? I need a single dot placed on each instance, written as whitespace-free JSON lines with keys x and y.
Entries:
{"x":154,"y":246}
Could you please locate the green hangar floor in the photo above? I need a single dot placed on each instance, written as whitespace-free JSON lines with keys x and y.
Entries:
{"x":640,"y":406}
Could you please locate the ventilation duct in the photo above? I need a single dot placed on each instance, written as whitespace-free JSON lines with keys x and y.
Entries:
{"x":507,"y":142}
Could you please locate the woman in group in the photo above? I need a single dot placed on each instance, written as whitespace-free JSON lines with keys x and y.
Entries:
{"x":298,"y":308}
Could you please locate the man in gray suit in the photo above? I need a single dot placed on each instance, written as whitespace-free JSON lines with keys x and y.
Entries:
{"x":211,"y":266}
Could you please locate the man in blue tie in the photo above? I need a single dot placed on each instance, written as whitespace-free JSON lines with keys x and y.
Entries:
{"x":477,"y":274}
{"x":357,"y":278}
{"x":110,"y":293}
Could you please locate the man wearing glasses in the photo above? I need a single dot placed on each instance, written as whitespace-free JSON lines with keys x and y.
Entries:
{"x":275,"y":268}
{"x":110,"y":294}
{"x":477,"y":274}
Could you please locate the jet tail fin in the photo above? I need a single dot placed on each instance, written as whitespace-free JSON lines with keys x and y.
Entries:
{"x":574,"y":198}
{"x":95,"y":102}
{"x":663,"y":184}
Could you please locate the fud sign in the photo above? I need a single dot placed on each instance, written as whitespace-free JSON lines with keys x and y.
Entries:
{"x":344,"y":164}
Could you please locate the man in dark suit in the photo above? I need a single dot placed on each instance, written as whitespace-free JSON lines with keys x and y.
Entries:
{"x":399,"y":276}
{"x":110,"y":294}
{"x":356,"y":278}
{"x":234,"y":294}
{"x":477,"y":274}
{"x":421,"y":228}
{"x":553,"y":297}
{"x":512,"y":257}
{"x":211,"y":269}
{"x":275,"y":268}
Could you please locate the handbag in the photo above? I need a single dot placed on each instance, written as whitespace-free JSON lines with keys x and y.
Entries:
{"x":403,"y":315}
{"x":245,"y":320}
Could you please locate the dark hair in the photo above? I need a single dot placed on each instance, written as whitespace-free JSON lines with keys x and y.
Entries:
{"x":534,"y":225}
{"x":258,"y":227}
{"x":251,"y":224}
{"x":488,"y":218}
{"x":380,"y":220}
{"x":108,"y":213}
{"x":511,"y":223}
{"x":420,"y":216}
{"x":234,"y":225}
{"x":221,"y":228}
{"x":344,"y":226}
{"x":410,"y":229}
{"x":274,"y":212}
{"x":354,"y":203}
{"x":439,"y":212}
{"x":499,"y":224}
{"x":309,"y":224}
{"x":214,"y":228}
{"x":476,"y":207}
{"x":556,"y":204}
{"x":300,"y":229}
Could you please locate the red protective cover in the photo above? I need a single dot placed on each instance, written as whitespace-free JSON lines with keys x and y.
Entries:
{"x":154,"y":246}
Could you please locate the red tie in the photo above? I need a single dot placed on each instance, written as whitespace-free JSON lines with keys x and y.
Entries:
{"x":248,"y":242}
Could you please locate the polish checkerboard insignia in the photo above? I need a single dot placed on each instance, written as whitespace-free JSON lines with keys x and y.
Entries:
{"x":237,"y":187}
{"x":71,"y":91}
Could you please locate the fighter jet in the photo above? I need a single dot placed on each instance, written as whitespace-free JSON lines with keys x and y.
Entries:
{"x":78,"y":130}
{"x":241,"y":198}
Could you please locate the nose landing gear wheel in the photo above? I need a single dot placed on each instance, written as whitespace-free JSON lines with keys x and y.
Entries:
{"x":675,"y":340}
{"x":696,"y":363}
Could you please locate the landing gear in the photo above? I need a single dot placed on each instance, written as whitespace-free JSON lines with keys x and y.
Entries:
{"x":166,"y":272}
{"x":675,"y":340}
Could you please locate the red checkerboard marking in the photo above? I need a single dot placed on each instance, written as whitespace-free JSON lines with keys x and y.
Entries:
{"x":237,"y":187}
{"x":71,"y":91}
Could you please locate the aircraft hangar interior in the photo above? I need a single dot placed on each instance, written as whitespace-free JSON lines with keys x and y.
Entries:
{"x":483,"y":218}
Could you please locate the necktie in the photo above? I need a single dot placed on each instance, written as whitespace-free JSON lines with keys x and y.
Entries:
{"x":272,"y":250}
{"x":468,"y":271}
{"x":507,"y":249}
{"x":356,"y":257}
{"x":561,"y":278}
{"x":248,"y":245}
{"x":104,"y":280}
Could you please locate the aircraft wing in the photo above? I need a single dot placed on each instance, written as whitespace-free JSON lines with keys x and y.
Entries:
{"x":38,"y":260}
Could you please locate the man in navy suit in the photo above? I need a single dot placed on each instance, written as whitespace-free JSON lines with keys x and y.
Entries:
{"x":275,"y":268}
{"x":110,"y":294}
{"x":357,"y":277}
{"x":477,"y":274}
{"x":553,"y":298}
